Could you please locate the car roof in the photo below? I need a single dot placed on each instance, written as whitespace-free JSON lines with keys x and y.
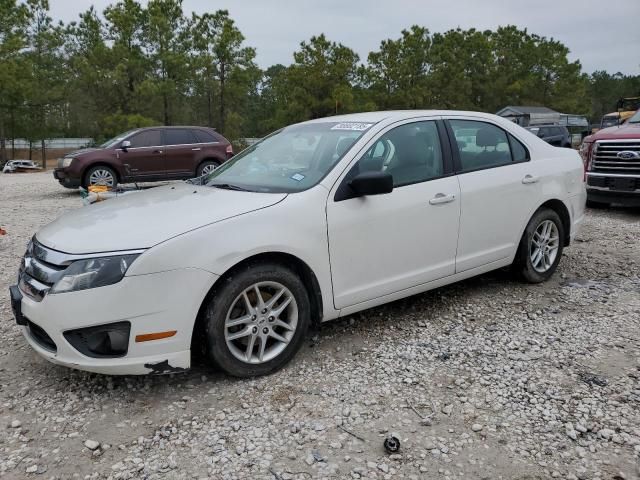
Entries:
{"x":395,"y":115}
{"x":172,"y":127}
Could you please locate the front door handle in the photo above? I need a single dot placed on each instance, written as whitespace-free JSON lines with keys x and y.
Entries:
{"x":157,"y":151}
{"x":196,"y":149}
{"x":441,"y":198}
{"x":528,"y":179}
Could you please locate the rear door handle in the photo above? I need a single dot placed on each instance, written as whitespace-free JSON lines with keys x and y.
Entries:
{"x":157,"y":151}
{"x":441,"y":198}
{"x":530,"y":179}
{"x":196,"y":149}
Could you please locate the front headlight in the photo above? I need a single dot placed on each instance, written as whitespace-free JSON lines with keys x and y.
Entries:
{"x":66,"y":161}
{"x":93,"y":273}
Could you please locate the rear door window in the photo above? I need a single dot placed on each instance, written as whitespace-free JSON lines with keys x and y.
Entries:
{"x":178,"y":136}
{"x":480,"y":145}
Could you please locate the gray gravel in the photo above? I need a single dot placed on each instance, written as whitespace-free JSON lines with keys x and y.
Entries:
{"x":489,"y":378}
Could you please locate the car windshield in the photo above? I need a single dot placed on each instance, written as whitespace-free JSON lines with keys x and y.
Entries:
{"x":635,"y":118}
{"x":611,"y":121}
{"x":117,"y":139}
{"x":290,"y":160}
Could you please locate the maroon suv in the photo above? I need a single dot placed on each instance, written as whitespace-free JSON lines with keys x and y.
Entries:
{"x":146,"y":155}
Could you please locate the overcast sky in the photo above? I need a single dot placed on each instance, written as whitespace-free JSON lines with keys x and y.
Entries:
{"x":602,"y":34}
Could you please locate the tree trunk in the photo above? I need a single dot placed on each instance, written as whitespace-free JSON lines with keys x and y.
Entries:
{"x":209,"y":112}
{"x":222,"y":113}
{"x":44,"y":154}
{"x":165,"y":103}
{"x":13,"y":134}
{"x":3,"y":145}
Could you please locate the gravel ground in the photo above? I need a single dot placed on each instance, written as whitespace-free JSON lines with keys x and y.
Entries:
{"x":489,"y":378}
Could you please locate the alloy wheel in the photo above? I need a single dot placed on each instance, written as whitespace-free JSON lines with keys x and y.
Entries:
{"x":207,"y":169}
{"x":101,"y":177}
{"x":261,"y":322}
{"x":544,"y":246}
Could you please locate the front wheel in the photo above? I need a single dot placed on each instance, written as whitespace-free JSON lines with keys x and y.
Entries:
{"x":257,"y":320}
{"x":100,"y":175}
{"x":541,"y":247}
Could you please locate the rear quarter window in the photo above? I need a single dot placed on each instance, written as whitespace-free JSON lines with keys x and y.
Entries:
{"x":205,"y":136}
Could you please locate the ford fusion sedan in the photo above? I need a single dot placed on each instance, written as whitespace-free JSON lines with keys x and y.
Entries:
{"x":317,"y":221}
{"x":145,"y":155}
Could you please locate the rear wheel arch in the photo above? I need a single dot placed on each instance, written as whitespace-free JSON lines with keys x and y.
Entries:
{"x":298,"y":266}
{"x":561,"y":209}
{"x":202,"y":161}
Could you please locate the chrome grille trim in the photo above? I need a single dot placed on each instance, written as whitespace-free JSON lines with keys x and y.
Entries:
{"x":605,"y":156}
{"x":42,"y":271}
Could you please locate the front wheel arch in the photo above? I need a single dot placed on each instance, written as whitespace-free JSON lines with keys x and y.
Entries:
{"x":300,"y":267}
{"x":83,"y":177}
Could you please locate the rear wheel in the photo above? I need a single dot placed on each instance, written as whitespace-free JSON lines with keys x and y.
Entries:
{"x":541,"y":247}
{"x":207,"y":167}
{"x":100,"y":175}
{"x":257,"y":320}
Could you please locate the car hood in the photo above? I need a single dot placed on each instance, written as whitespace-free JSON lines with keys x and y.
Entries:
{"x":144,"y":219}
{"x":83,"y":151}
{"x":624,"y":131}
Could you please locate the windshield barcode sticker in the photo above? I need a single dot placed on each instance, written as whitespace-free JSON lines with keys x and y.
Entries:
{"x":358,"y":127}
{"x":297,"y":177}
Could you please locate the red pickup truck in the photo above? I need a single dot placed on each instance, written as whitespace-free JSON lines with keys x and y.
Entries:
{"x":612,"y":164}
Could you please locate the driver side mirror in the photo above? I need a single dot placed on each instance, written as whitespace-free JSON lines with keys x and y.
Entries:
{"x":372,"y":183}
{"x":126,"y":144}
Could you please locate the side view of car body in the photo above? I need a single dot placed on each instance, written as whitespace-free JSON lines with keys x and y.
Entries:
{"x":146,"y":155}
{"x":317,"y":221}
{"x":555,"y":135}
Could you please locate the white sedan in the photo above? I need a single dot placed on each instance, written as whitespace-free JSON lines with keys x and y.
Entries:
{"x":317,"y":221}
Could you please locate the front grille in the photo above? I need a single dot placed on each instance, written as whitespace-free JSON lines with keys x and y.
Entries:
{"x":617,"y":156}
{"x":40,"y":269}
{"x":41,"y":337}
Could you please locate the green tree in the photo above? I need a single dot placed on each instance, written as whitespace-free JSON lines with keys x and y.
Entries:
{"x":127,"y":66}
{"x":166,"y":39}
{"x":13,"y":68}
{"x":397,"y":74}
{"x":321,"y":80}
{"x":46,"y":84}
{"x":226,"y":64}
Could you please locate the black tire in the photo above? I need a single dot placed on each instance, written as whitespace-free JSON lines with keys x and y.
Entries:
{"x":86,"y":180}
{"x":223,"y":299}
{"x":204,"y":165}
{"x":523,"y":265}
{"x":592,"y":204}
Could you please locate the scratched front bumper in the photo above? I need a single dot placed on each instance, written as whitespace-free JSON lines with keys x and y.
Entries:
{"x":151,"y":303}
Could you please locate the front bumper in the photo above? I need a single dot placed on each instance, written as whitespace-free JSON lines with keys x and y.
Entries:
{"x":621,"y":189}
{"x":65,"y":180}
{"x":151,"y":303}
